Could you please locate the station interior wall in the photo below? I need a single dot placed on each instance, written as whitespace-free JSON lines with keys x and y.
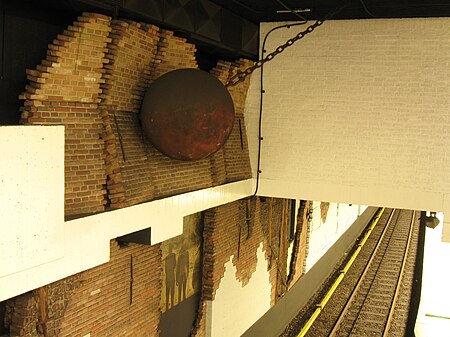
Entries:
{"x":356,"y":112}
{"x":347,"y":119}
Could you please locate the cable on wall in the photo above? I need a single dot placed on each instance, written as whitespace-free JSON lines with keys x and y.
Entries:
{"x":261,"y":92}
{"x":260,"y":64}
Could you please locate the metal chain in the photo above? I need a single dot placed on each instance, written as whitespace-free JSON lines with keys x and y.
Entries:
{"x":240,"y":76}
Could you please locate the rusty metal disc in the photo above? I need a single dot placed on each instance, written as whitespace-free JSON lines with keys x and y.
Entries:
{"x":187,"y":114}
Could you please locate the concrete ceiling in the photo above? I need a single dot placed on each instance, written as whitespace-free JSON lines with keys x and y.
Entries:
{"x":266,"y":10}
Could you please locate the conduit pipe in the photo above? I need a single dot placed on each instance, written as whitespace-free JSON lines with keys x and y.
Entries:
{"x":326,"y":298}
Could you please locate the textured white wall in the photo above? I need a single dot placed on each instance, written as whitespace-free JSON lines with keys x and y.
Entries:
{"x":235,"y":308}
{"x":357,"y":112}
{"x":323,"y":235}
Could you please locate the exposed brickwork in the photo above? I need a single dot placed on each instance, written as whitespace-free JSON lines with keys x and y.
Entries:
{"x":93,"y":81}
{"x":174,"y":53}
{"x":218,"y":171}
{"x":73,"y":67}
{"x":297,"y":266}
{"x":324,"y":206}
{"x":102,"y":304}
{"x":171,"y":176}
{"x":119,"y":298}
{"x":58,"y":296}
{"x":236,"y":158}
{"x":64,"y":90}
{"x":274,"y":217}
{"x":308,"y":231}
{"x":22,"y":315}
{"x":250,"y":237}
{"x":84,"y":152}
{"x":116,"y":187}
{"x":131,"y":52}
{"x":236,"y":230}
{"x":140,"y":172}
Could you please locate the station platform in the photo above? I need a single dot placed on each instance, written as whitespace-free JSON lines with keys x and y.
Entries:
{"x":433,"y":319}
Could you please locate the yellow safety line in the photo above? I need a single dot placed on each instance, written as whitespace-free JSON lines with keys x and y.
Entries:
{"x":321,"y":305}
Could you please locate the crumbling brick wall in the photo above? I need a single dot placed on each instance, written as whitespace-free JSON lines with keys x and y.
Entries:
{"x":236,"y":230}
{"x":131,"y":54}
{"x":93,"y":81}
{"x":64,"y":90}
{"x":21,"y":316}
{"x":234,"y":155}
{"x":119,"y":298}
{"x":275,"y":218}
{"x":297,"y":265}
{"x":173,"y":176}
{"x":40,"y":312}
{"x":136,"y":170}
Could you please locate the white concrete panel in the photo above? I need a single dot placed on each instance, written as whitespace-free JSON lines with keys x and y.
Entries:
{"x":31,"y":223}
{"x":235,"y":308}
{"x":357,"y":112}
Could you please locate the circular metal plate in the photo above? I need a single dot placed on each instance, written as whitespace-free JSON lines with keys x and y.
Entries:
{"x":187,"y":114}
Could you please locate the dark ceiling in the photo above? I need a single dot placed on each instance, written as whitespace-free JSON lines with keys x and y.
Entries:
{"x":268,"y":10}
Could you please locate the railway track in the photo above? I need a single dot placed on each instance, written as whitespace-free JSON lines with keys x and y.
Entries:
{"x":373,"y":296}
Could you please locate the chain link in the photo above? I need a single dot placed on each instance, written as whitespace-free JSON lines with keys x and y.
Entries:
{"x":241,"y":75}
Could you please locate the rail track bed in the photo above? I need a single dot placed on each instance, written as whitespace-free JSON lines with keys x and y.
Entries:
{"x":374,"y":295}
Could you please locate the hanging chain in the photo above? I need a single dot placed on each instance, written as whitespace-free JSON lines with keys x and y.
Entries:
{"x":240,"y":76}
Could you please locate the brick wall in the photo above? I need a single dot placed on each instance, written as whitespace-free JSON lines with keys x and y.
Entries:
{"x":299,"y":251}
{"x":365,"y":101}
{"x":93,"y":81}
{"x":131,"y":54}
{"x":137,"y":171}
{"x":119,"y":298}
{"x":64,"y":90}
{"x":22,"y":315}
{"x":235,"y":151}
{"x":40,"y":312}
{"x":172,"y":176}
{"x":275,"y":223}
{"x":235,"y":231}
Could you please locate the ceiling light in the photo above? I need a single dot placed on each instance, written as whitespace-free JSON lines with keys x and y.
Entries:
{"x":285,"y":11}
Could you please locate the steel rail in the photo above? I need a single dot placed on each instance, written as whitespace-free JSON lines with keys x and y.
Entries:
{"x":400,"y":277}
{"x":359,"y":282}
{"x":323,"y":302}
